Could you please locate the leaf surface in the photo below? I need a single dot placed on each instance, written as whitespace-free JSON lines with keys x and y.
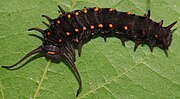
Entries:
{"x":108,"y":70}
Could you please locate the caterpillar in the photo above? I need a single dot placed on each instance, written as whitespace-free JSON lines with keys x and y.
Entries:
{"x":71,"y":29}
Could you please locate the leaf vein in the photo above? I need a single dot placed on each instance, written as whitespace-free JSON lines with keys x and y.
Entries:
{"x":160,"y":74}
{"x":40,"y":83}
{"x":118,"y":76}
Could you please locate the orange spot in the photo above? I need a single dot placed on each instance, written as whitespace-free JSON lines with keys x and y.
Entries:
{"x":76,"y":30}
{"x":96,"y":9}
{"x":110,"y":9}
{"x":160,"y":23}
{"x":59,"y":40}
{"x":76,"y":13}
{"x":125,"y":27}
{"x":48,"y":33}
{"x":84,"y":28}
{"x":49,"y":52}
{"x":85,"y":10}
{"x":69,"y":16}
{"x":129,"y":13}
{"x":100,"y":26}
{"x":67,"y":33}
{"x":110,"y":26}
{"x":156,"y":36}
{"x":76,"y":40}
{"x":58,"y":22}
{"x":92,"y":27}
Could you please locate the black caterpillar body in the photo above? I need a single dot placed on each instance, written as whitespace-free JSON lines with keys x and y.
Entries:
{"x":71,"y":29}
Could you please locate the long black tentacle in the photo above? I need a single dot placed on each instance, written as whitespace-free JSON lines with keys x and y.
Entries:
{"x":47,"y":17}
{"x":76,"y":72}
{"x":37,"y":50}
{"x":70,"y":46}
{"x":79,"y":48}
{"x":71,"y":53}
{"x":37,"y":29}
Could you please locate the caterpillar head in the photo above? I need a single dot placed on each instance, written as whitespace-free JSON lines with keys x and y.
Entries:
{"x":52,"y":52}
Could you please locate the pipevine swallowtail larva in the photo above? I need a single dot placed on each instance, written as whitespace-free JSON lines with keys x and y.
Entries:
{"x":71,"y":29}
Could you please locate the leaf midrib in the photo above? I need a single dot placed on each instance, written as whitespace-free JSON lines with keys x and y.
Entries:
{"x":42,"y":79}
{"x":90,"y":91}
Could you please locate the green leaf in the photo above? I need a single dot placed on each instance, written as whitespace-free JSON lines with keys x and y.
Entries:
{"x":108,"y":70}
